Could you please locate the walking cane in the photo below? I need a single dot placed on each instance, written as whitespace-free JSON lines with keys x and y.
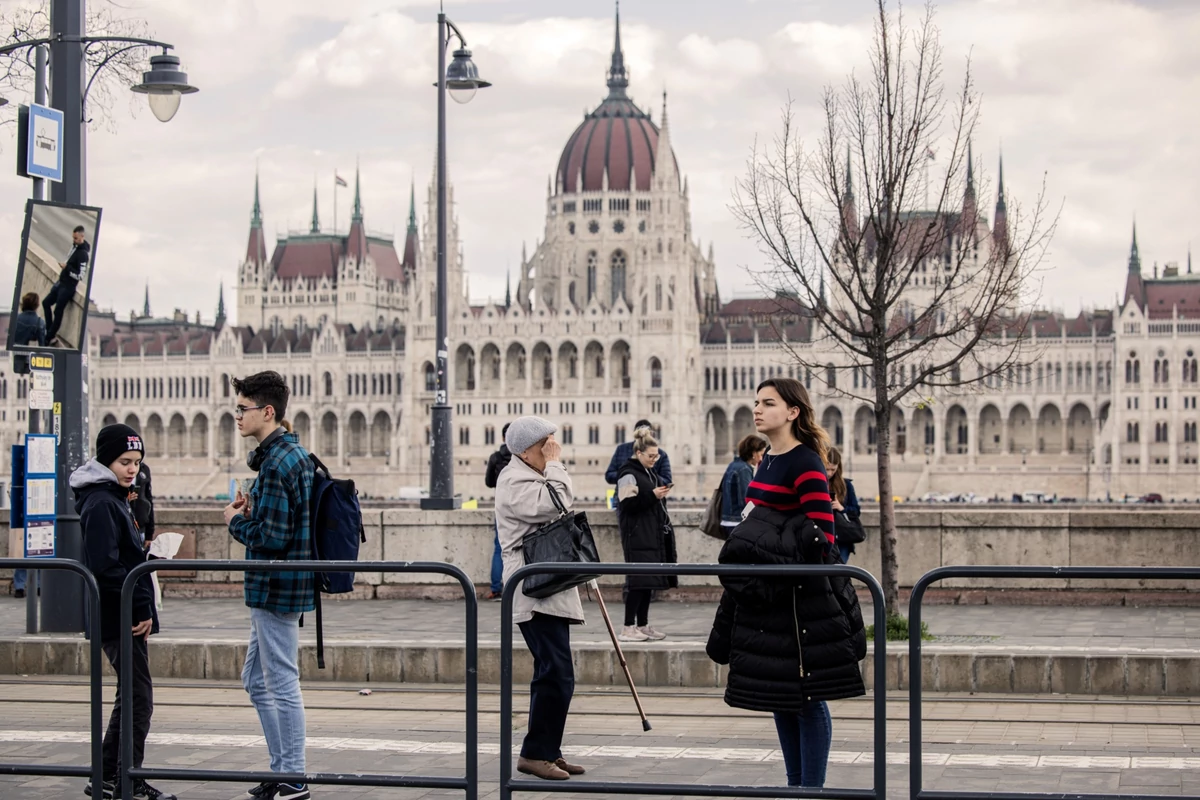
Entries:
{"x":620,"y":655}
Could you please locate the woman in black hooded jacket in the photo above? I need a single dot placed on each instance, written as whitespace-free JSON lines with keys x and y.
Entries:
{"x":791,"y":644}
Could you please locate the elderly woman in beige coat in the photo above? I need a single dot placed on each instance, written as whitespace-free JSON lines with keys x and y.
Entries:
{"x":523,"y":504}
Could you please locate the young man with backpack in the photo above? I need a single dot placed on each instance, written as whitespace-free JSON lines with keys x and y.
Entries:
{"x":274,"y":524}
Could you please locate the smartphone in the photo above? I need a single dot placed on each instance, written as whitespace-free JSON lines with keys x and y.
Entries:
{"x":668,"y":485}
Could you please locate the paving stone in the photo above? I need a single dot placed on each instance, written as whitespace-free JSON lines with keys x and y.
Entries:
{"x":1145,"y":677}
{"x":1031,"y":674}
{"x":993,"y":673}
{"x":1068,"y":675}
{"x":1106,"y":675}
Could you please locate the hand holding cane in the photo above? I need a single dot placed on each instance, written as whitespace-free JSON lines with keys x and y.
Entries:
{"x":620,"y":655}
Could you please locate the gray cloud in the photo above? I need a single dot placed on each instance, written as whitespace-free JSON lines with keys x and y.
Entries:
{"x":1093,"y":94}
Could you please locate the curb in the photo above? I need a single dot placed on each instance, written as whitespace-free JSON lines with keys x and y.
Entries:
{"x":946,"y":668}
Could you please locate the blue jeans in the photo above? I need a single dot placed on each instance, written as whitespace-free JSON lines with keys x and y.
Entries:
{"x":844,"y":551}
{"x":18,"y":579}
{"x":272,"y":678}
{"x":805,"y":739}
{"x":497,"y":562}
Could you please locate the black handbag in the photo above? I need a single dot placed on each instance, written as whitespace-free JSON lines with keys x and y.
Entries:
{"x":848,"y":530}
{"x":566,"y":540}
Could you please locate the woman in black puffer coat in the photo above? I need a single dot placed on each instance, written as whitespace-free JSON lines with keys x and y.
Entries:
{"x":646,"y":534}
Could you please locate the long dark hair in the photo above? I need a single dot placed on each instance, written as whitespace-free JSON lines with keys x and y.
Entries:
{"x":804,"y":426}
{"x":837,"y":476}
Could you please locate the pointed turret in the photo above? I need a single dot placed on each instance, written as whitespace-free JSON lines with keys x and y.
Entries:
{"x":315,"y":225}
{"x":1000,"y":223}
{"x":618,"y":76}
{"x":411,"y":241}
{"x":1189,"y":272}
{"x":1135,"y":260}
{"x":508,"y":289}
{"x":256,"y":247}
{"x":356,"y":242}
{"x":221,"y":306}
{"x":665,"y":167}
{"x":970,"y":212}
{"x":849,"y":207}
{"x":1135,"y":287}
{"x":146,"y":302}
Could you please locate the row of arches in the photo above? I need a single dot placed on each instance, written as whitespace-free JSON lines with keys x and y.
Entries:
{"x":592,"y":369}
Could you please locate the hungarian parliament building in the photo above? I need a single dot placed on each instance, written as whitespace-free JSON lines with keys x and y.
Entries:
{"x":615,"y":316}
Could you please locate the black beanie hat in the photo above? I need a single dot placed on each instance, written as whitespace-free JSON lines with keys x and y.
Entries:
{"x":115,"y":441}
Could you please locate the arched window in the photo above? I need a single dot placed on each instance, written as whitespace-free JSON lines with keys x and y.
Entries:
{"x":224,"y":385}
{"x":328,"y":385}
{"x":830,"y":376}
{"x":655,"y":374}
{"x":591,"y":275}
{"x":1166,"y":371}
{"x":658,"y":295}
{"x":1137,"y":371}
{"x":617,"y":264}
{"x":430,"y":377}
{"x":571,"y":292}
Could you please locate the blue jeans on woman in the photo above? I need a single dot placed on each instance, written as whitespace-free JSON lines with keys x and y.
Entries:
{"x":18,"y":583}
{"x":805,"y":739}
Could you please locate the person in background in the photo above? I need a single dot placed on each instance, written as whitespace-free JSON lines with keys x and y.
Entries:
{"x":624,"y":452}
{"x":29,"y":329}
{"x":843,"y":498}
{"x":790,"y":645}
{"x":63,"y":291}
{"x":737,"y":479}
{"x":523,"y":505}
{"x":497,"y":461}
{"x":112,"y":547}
{"x":141,"y":500}
{"x":274,"y":524}
{"x":646,"y":535}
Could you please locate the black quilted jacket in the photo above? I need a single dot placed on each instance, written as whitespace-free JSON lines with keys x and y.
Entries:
{"x":787,"y":642}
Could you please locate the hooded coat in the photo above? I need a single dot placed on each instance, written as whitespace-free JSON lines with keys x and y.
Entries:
{"x":111,"y":546}
{"x":787,"y":642}
{"x":646,"y":535}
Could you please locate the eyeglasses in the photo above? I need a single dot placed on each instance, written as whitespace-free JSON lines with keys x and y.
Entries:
{"x":240,"y":411}
{"x":651,"y":457}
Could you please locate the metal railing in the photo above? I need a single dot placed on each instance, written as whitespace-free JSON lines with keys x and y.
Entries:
{"x":469,"y":783}
{"x":508,"y":785}
{"x":916,"y":791}
{"x":96,"y":770}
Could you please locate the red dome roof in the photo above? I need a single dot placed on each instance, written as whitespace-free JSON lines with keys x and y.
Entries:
{"x":618,"y":137}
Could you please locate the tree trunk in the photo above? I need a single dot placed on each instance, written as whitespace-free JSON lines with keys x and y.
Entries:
{"x":889,"y":567}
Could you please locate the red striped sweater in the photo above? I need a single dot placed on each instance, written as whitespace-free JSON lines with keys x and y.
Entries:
{"x":794,"y":482}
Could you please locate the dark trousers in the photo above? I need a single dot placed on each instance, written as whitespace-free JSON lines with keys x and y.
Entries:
{"x":55,"y":304}
{"x":637,"y":607}
{"x":497,"y":584}
{"x":143,"y":706}
{"x":549,"y":640}
{"x":804,"y":739}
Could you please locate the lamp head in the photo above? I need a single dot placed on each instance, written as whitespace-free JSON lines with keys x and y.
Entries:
{"x":462,"y":77}
{"x":164,"y":84}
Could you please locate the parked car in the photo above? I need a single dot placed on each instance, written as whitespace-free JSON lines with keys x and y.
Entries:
{"x":1153,"y":497}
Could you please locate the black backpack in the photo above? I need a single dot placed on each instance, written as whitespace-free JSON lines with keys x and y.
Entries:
{"x":337,"y":532}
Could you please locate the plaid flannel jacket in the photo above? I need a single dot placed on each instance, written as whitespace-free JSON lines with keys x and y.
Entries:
{"x":279,"y":528}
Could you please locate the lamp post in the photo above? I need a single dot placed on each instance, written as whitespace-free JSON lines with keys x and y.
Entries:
{"x":461,"y":78}
{"x":62,"y":595}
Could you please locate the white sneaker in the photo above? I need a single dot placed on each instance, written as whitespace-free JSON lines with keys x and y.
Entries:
{"x":631,"y":633}
{"x":651,"y":633}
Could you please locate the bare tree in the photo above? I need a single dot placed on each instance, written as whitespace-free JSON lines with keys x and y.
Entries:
{"x":921,"y":295}
{"x":120,"y":64}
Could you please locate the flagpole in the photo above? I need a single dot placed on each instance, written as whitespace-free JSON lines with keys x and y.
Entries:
{"x":335,"y":188}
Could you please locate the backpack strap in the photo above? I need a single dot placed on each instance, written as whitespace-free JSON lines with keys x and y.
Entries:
{"x":320,"y":628}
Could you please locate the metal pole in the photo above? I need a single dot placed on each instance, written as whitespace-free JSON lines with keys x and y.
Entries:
{"x":62,"y":598}
{"x":441,"y":471}
{"x":35,"y":417}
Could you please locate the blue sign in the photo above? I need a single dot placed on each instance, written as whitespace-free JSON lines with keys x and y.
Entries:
{"x":41,"y":467}
{"x":43,"y":156}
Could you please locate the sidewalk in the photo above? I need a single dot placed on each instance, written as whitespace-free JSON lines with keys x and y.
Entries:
{"x":1117,"y":650}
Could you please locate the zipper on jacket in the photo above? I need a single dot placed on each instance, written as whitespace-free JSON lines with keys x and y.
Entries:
{"x":799,"y":643}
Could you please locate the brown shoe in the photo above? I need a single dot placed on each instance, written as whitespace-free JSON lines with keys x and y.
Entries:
{"x":570,"y":769}
{"x":546,"y":770}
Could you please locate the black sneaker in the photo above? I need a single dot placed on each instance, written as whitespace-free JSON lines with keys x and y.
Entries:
{"x":107,"y":788}
{"x":264,"y":791}
{"x":287,"y":791}
{"x":18,"y":593}
{"x":144,"y":791}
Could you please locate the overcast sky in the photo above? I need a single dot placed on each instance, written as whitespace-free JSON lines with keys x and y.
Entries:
{"x":1097,"y":95}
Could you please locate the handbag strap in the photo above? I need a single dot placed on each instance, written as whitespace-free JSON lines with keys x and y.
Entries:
{"x":554,"y":498}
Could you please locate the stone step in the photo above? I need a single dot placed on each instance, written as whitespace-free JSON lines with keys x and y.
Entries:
{"x":946,"y":668}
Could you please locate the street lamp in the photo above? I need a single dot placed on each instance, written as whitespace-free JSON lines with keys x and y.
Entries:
{"x":164,"y":85}
{"x":462,"y":80}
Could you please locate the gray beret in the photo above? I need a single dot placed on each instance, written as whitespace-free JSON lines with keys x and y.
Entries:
{"x":525,"y":432}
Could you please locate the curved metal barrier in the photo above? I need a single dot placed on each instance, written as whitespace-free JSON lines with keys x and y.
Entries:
{"x":469,"y":783}
{"x":916,"y":791}
{"x":95,"y":771}
{"x":508,"y":784}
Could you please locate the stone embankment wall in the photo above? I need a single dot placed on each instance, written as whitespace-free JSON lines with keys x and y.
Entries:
{"x":928,"y":538}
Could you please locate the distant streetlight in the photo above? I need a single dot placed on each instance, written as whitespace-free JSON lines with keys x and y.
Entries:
{"x":462,"y":81}
{"x":164,"y":85}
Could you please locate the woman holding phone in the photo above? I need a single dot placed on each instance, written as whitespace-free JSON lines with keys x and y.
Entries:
{"x":646,"y":533}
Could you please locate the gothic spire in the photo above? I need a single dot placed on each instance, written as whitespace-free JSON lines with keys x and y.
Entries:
{"x":315,"y":226}
{"x":357,"y":213}
{"x":256,"y":213}
{"x":412,"y":208}
{"x":1135,"y":260}
{"x":1000,"y":204}
{"x":146,"y":302}
{"x":618,"y":77}
{"x":970,"y":169}
{"x":221,"y":305}
{"x":849,"y":176}
{"x":508,"y":289}
{"x":1189,"y":272}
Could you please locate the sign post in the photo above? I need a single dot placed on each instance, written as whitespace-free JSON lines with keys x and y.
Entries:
{"x":41,"y":471}
{"x":39,"y":142}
